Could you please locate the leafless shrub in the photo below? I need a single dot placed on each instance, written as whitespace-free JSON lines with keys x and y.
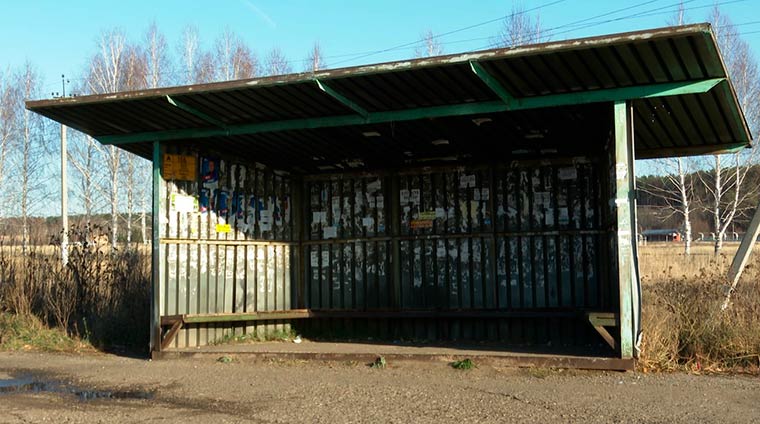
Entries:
{"x":101,"y":295}
{"x":684,"y":326}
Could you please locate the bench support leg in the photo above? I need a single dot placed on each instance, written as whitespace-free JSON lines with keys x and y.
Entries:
{"x":601,"y":319}
{"x":169,"y":336}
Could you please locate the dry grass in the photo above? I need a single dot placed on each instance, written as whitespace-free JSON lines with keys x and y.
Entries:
{"x":684,"y":327}
{"x":101,"y":297}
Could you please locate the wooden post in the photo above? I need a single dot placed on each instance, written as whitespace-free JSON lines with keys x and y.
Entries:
{"x":742,"y":255}
{"x":626,"y":231}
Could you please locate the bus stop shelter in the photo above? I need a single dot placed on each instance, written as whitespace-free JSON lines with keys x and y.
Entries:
{"x":484,"y":196}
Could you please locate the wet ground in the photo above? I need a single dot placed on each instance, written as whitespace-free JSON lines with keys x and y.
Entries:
{"x":111,"y":389}
{"x":27,"y":384}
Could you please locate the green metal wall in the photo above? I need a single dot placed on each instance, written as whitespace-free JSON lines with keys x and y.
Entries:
{"x":519,"y":250}
{"x":246,"y":269}
{"x":523,"y":244}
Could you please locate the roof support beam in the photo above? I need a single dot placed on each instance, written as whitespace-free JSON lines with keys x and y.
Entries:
{"x":717,"y":149}
{"x":554,"y":100}
{"x":342,"y":99}
{"x":618,"y":94}
{"x":492,"y":83}
{"x":198,"y":114}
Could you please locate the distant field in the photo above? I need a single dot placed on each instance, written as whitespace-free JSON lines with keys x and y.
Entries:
{"x":667,"y":259}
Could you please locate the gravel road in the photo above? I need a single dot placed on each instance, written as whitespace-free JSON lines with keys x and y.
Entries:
{"x":277,"y":391}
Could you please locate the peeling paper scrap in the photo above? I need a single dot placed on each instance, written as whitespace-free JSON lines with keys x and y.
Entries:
{"x":541,"y":198}
{"x":184,"y":203}
{"x":368,"y":221}
{"x":404,"y":196}
{"x":564,"y":218}
{"x":427,"y":215}
{"x":549,"y":217}
{"x":621,"y":171}
{"x":415,"y":196}
{"x":568,"y":173}
{"x":314,"y":258}
{"x":374,"y":186}
{"x":330,"y":232}
{"x":440,"y":213}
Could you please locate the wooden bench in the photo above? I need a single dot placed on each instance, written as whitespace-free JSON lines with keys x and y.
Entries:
{"x":174,"y":323}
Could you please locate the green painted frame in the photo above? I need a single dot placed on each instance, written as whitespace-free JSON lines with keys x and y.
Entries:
{"x":193,"y":111}
{"x":624,"y":199}
{"x":342,"y":99}
{"x":537,"y":102}
{"x":155,"y":324}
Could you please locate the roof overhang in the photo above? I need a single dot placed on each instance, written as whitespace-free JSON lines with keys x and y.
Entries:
{"x":537,"y":98}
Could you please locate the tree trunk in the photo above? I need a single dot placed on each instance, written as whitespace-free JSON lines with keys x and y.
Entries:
{"x":25,"y":185}
{"x":114,"y":194}
{"x":130,"y":196}
{"x":687,"y":236}
{"x":685,"y":209}
{"x":719,"y":242}
{"x":143,"y":229}
{"x":716,"y":206}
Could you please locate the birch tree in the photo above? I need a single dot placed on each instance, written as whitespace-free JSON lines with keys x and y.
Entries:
{"x":82,"y":154}
{"x":727,"y":185}
{"x":106,"y":75}
{"x":677,"y":193}
{"x":31,"y":158}
{"x":519,"y":28}
{"x":234,"y":59}
{"x":315,"y":59}
{"x":157,"y":66}
{"x":429,"y":45}
{"x":188,"y":50}
{"x":136,"y":74}
{"x":8,"y":99}
{"x":156,"y":56}
{"x":277,"y":63}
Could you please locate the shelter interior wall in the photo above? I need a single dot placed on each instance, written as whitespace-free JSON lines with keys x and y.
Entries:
{"x":208,"y":267}
{"x":525,"y":236}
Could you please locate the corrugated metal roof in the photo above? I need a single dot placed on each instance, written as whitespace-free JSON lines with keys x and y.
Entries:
{"x":544,"y":97}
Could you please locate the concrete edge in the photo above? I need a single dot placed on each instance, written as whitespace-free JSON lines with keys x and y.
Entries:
{"x":517,"y":361}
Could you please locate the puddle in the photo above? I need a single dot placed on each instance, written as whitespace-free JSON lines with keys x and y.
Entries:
{"x":32,"y":385}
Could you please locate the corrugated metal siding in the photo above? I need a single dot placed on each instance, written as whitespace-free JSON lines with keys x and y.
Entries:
{"x":247,"y":269}
{"x":624,"y":60}
{"x":520,"y":241}
{"x":525,"y":238}
{"x":348,"y":245}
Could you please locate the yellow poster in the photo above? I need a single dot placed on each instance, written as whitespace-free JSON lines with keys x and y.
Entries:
{"x":179,"y":167}
{"x":427,"y":215}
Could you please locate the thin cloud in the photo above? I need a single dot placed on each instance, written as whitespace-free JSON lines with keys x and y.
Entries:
{"x":264,"y":17}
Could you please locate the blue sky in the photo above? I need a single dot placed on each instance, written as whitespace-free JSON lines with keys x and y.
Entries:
{"x":59,"y":36}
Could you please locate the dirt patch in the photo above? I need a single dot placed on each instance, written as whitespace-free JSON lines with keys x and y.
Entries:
{"x":280,"y":391}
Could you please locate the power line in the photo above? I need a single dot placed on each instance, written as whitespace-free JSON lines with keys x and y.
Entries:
{"x":372,"y":53}
{"x":645,"y":13}
{"x":552,"y":32}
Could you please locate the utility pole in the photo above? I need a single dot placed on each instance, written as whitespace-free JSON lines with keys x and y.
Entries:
{"x":64,"y":189}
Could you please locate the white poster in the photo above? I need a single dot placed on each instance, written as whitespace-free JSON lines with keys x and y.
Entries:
{"x":330,"y":232}
{"x":568,"y":173}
